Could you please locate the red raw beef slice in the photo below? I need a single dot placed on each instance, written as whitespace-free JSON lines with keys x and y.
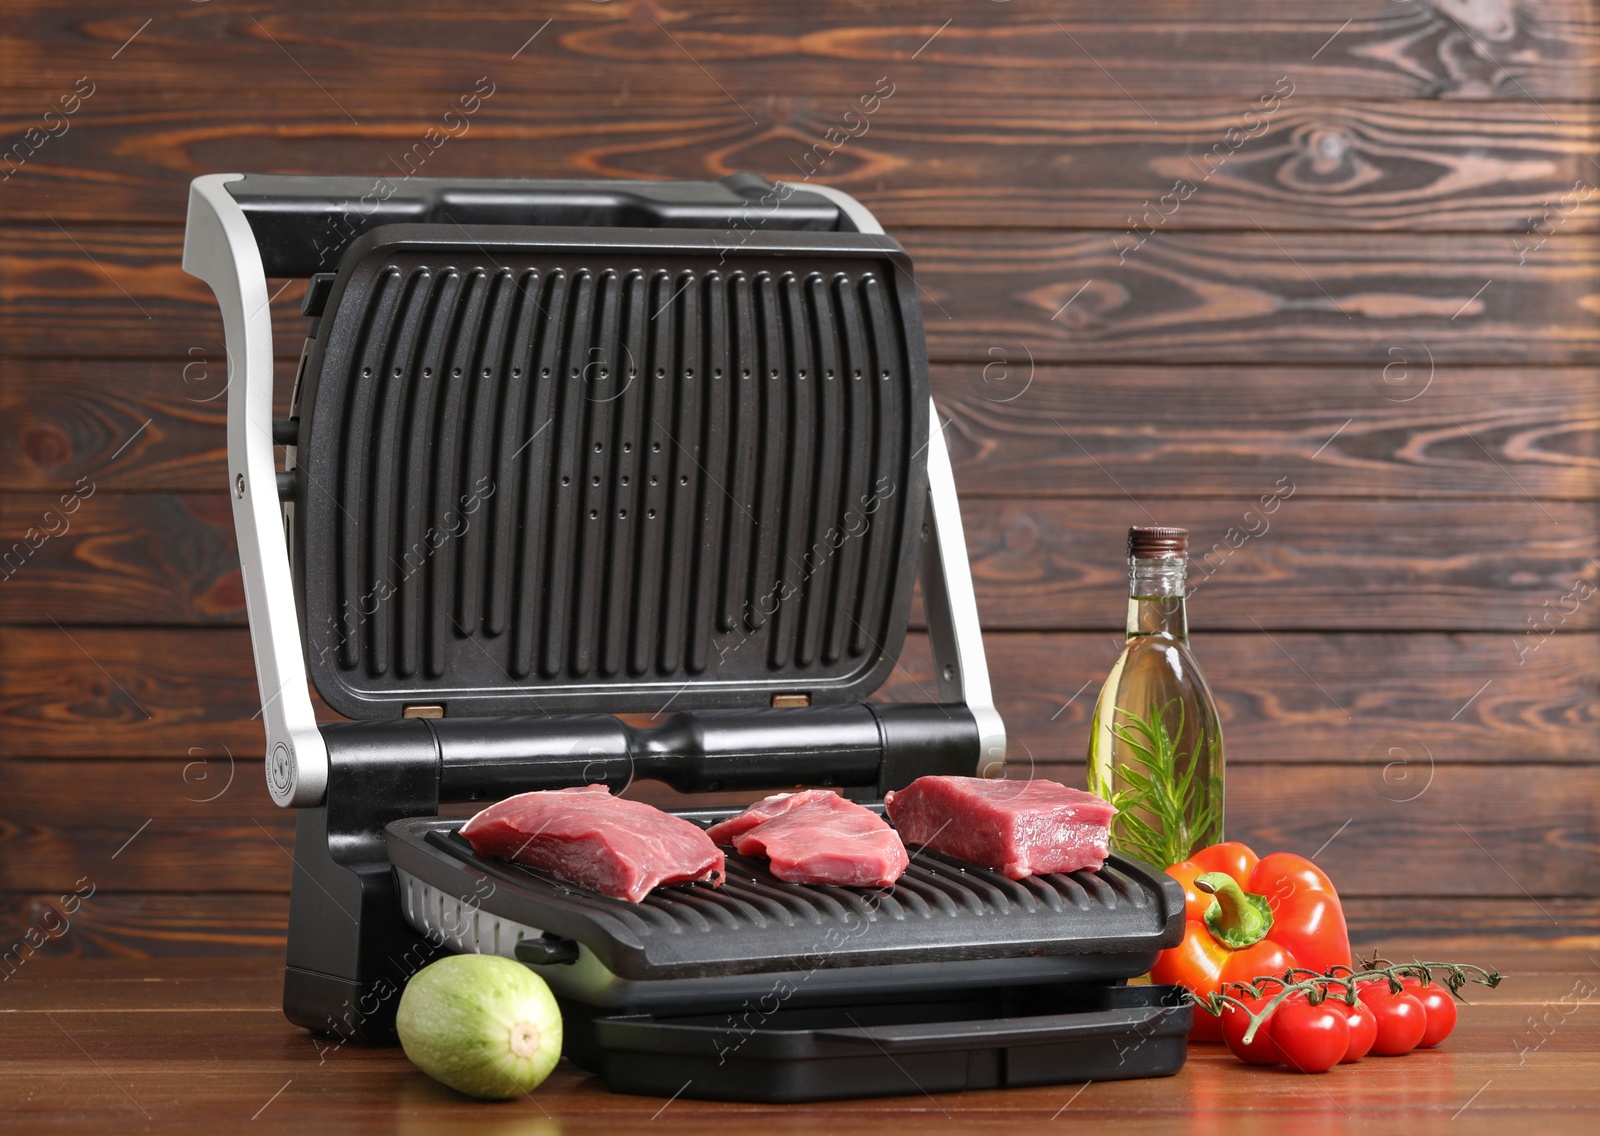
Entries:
{"x":818,"y":837}
{"x":764,"y":810}
{"x":1020,"y":828}
{"x":586,"y":836}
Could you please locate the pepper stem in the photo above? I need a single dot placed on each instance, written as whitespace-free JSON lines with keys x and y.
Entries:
{"x":1238,"y":918}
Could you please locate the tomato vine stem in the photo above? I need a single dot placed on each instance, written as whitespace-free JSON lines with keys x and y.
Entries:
{"x":1316,"y":987}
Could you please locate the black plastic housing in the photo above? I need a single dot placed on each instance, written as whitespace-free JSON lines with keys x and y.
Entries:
{"x":350,"y":949}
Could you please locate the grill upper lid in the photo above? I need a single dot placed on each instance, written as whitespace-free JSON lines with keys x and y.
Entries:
{"x":563,"y":469}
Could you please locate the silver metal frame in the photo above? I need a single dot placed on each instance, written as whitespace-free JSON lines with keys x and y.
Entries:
{"x":951,"y":608}
{"x":220,"y":248}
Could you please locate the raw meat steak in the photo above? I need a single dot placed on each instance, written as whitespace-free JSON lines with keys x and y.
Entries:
{"x":764,"y":810}
{"x":587,"y":837}
{"x":1019,"y":828}
{"x":818,"y":837}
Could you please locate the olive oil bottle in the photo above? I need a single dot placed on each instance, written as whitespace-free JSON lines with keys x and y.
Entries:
{"x":1155,"y":744}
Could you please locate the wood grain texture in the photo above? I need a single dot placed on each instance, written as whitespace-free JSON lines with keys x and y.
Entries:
{"x":1014,"y":429}
{"x":145,"y":827}
{"x":90,"y":690}
{"x":929,"y":156}
{"x":1536,"y":835}
{"x":177,"y":924}
{"x":235,"y":925}
{"x":200,"y":1044}
{"x":1183,"y":297}
{"x":1298,"y":697}
{"x":1379,"y":297}
{"x":1398,"y":426}
{"x":141,"y":558}
{"x":74,"y":292}
{"x":191,"y":1072}
{"x":88,"y":556}
{"x":119,"y":424}
{"x":159,"y":693}
{"x":1367,"y":49}
{"x":1253,"y":296}
{"x":1310,"y":563}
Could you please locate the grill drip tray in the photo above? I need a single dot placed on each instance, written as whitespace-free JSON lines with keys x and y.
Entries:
{"x":996,"y":1039}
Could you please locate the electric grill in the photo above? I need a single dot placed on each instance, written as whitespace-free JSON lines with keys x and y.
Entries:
{"x":562,"y":451}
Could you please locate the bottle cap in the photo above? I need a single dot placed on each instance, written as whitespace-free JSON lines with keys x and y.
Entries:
{"x":1148,"y":542}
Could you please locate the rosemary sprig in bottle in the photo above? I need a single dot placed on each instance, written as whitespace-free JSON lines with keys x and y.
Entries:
{"x":1162,"y":807}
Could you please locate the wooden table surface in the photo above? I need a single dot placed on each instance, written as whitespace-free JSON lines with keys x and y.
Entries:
{"x":195,"y":1044}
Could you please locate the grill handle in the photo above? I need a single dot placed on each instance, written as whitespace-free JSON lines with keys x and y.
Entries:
{"x":303,"y":224}
{"x":868,"y":745}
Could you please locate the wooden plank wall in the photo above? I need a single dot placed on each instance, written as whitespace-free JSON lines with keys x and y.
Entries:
{"x":1374,"y":282}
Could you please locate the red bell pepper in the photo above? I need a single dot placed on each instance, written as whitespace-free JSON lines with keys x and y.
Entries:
{"x":1245,"y":916}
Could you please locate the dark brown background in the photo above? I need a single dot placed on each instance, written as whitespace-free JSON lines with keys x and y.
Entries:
{"x":1394,"y":210}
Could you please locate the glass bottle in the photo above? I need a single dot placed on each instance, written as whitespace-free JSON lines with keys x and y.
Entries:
{"x":1155,"y":744}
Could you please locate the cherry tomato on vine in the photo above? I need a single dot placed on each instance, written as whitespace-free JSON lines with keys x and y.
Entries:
{"x":1236,"y":1022}
{"x":1310,"y":1039}
{"x":1363,"y":1025}
{"x":1401,"y":1019}
{"x":1440,"y":1008}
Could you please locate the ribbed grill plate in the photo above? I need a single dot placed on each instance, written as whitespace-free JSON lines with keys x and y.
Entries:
{"x":538,"y":470}
{"x":939,"y":911}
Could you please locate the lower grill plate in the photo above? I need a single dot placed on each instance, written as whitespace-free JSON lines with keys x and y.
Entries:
{"x":940,"y":911}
